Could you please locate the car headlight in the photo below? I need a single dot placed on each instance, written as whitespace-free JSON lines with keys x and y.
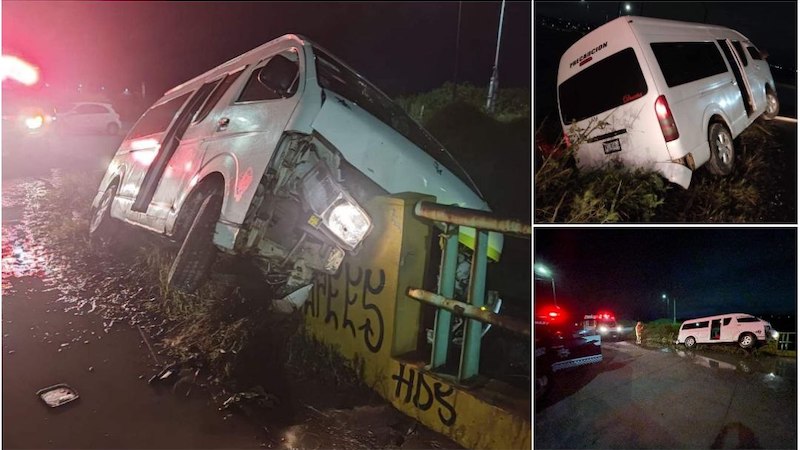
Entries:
{"x":34,"y":122}
{"x":619,"y":329}
{"x":335,"y":208}
{"x":348,"y":222}
{"x":774,"y":334}
{"x":603,"y":329}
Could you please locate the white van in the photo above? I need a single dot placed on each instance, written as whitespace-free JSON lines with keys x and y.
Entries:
{"x":662,"y":95}
{"x":273,"y":154}
{"x":742,"y":328}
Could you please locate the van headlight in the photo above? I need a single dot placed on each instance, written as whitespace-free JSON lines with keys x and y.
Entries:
{"x":334,"y":208}
{"x":348,"y":222}
{"x":603,"y":329}
{"x":774,"y":334}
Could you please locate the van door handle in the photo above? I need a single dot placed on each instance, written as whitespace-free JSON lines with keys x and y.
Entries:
{"x":222,"y":123}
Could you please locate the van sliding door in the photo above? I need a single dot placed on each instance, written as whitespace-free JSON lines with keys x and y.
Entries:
{"x":168,"y":146}
{"x":738,"y":74}
{"x":715,"y":329}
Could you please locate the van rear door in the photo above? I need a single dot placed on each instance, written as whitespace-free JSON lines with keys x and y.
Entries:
{"x":607,"y":98}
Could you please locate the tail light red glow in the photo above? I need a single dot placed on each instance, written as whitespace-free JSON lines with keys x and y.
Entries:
{"x":665,"y":119}
{"x":566,"y":140}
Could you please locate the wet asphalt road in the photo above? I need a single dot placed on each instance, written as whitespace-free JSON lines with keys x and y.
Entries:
{"x":45,"y":343}
{"x":644,"y":398}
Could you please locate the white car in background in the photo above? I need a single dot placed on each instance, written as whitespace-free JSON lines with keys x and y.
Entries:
{"x":92,"y":117}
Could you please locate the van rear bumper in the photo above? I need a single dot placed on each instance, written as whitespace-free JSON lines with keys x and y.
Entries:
{"x":675,"y":173}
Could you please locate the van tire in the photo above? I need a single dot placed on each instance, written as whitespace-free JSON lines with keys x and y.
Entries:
{"x":747,"y":340}
{"x":103,"y":228}
{"x":720,"y":143}
{"x":689,"y":342}
{"x":197,"y":253}
{"x":773,"y":106}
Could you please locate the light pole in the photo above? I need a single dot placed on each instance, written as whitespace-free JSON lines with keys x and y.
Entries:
{"x":495,"y":80}
{"x":545,"y":272}
{"x":664,"y":296}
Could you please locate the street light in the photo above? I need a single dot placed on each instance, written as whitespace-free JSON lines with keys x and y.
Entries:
{"x":545,"y":272}
{"x":664,"y":296}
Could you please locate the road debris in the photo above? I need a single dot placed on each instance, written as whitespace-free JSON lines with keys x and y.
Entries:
{"x":57,"y":395}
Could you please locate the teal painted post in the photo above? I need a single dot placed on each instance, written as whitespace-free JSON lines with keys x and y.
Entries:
{"x":447,"y":282}
{"x":471,"y":349}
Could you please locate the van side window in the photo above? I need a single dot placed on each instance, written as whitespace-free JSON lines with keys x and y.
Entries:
{"x":695,"y":325}
{"x":280,"y":70}
{"x":740,"y":50}
{"x":747,"y":319}
{"x":157,"y":119}
{"x":217,"y":94}
{"x":604,"y":85}
{"x":684,"y":62}
{"x":754,"y":53}
{"x":726,"y":321}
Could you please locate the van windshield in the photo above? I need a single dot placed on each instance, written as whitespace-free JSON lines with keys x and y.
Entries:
{"x":605,"y":85}
{"x":335,"y":76}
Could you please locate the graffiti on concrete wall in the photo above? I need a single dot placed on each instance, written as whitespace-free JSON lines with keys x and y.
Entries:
{"x":416,"y":388}
{"x":361,"y":286}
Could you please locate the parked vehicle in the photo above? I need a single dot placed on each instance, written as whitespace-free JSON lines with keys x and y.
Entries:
{"x":603,"y":324}
{"x":662,"y":95}
{"x":91,"y":117}
{"x":28,"y":115}
{"x":273,"y":154}
{"x":745,"y":329}
{"x":560,"y":345}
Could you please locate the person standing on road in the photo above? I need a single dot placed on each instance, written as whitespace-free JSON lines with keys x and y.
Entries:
{"x":639,"y":332}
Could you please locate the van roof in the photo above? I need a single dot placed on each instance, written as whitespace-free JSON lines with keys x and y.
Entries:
{"x":627,"y":31}
{"x":224,"y":67}
{"x":720,"y":315}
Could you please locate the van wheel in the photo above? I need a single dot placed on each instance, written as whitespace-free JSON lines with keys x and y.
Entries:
{"x":747,"y":340}
{"x":194,"y":260}
{"x":690,"y":342}
{"x":103,"y":228}
{"x":721,"y":146}
{"x":772,"y":105}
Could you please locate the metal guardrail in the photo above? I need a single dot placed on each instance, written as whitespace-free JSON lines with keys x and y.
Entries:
{"x":787,"y":341}
{"x":483,"y":222}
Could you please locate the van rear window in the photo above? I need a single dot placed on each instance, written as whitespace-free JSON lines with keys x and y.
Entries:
{"x":684,"y":62}
{"x":603,"y":86}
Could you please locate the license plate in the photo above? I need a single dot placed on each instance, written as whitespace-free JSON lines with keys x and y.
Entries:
{"x":612,"y":146}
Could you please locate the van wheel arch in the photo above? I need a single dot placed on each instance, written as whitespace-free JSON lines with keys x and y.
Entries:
{"x":211,"y":183}
{"x":747,"y":340}
{"x":773,"y":105}
{"x":720,"y":146}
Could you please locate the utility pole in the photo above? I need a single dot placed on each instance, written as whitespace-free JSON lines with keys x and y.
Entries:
{"x":494,"y":81}
{"x":455,"y":68}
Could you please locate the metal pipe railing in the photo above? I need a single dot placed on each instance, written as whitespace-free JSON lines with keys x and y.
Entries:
{"x":473,"y":218}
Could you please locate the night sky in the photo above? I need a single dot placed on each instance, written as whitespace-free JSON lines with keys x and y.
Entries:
{"x":401,"y":47}
{"x":709,"y":271}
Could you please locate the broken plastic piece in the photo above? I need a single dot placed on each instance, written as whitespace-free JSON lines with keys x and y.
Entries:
{"x":57,"y":395}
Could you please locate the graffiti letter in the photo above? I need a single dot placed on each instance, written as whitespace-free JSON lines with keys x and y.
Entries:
{"x":348,"y":301}
{"x":421,"y":383}
{"x":330,"y":314}
{"x":401,"y":380}
{"x":441,"y":396}
{"x":367,"y":327}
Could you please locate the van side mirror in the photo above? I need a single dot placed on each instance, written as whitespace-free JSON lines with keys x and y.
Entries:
{"x":764,"y":54}
{"x":279,"y":75}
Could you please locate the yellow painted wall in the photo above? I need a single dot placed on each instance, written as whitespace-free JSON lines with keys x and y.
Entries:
{"x":363,"y":312}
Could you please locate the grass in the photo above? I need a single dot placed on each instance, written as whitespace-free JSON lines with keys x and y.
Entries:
{"x":227,"y":323}
{"x":615,"y":194}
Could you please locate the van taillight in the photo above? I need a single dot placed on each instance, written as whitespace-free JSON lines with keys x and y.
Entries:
{"x":664,"y":115}
{"x":566,"y":140}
